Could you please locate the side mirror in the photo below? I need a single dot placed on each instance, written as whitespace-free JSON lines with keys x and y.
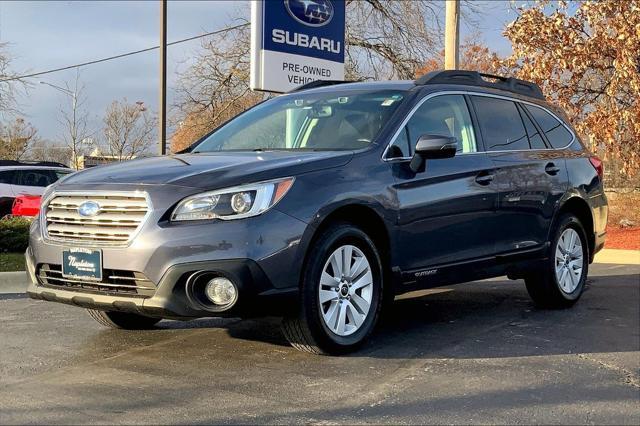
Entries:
{"x":432,"y":147}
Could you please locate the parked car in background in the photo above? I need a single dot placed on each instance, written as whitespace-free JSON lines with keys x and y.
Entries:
{"x":323,"y":204}
{"x":26,"y":205}
{"x":22,"y":178}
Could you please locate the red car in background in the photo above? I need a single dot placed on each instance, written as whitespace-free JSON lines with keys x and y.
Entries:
{"x":26,"y":205}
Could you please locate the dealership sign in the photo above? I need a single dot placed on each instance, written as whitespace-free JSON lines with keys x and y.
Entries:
{"x":294,"y":42}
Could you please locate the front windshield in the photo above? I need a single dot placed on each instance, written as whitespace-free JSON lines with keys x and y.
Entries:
{"x":342,"y":120}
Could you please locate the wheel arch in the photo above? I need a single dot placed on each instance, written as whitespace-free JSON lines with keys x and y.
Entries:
{"x":363,"y":216}
{"x":580,"y":208}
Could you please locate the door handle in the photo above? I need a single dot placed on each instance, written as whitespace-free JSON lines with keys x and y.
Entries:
{"x":484,"y":178}
{"x":551,"y":169}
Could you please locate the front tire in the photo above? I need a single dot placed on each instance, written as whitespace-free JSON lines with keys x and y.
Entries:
{"x":562,"y":279}
{"x":123,"y":320}
{"x":341,"y":293}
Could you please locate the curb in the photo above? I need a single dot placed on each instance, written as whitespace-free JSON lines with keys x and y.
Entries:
{"x":624,"y":257}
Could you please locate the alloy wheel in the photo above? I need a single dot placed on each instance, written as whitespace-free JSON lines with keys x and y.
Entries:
{"x":569,"y":260}
{"x":346,"y":290}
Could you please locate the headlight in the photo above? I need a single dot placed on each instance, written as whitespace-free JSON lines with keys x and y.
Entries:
{"x":233,"y":203}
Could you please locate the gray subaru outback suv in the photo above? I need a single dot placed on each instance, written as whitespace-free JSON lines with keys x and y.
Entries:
{"x":322,"y":204}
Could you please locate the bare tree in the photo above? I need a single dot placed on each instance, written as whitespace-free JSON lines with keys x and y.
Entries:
{"x":215,"y":87}
{"x":44,"y":150}
{"x":391,"y":39}
{"x":74,"y":119}
{"x":128,"y":129}
{"x":10,"y":84}
{"x":16,"y":139}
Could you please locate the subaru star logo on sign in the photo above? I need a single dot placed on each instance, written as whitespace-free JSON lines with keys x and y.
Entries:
{"x":315,"y":13}
{"x":294,"y":42}
{"x":89,"y":209}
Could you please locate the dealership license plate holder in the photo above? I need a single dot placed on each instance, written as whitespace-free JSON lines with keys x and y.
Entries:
{"x":82,"y":263}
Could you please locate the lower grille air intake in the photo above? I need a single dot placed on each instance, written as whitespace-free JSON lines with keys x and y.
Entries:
{"x":115,"y":282}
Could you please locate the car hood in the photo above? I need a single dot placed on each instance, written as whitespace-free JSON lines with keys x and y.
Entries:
{"x":210,"y":170}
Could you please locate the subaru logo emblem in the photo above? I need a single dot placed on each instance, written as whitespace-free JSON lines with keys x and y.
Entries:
{"x":314,"y":13}
{"x":89,"y":208}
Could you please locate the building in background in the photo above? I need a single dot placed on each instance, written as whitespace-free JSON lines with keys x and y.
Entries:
{"x":95,"y":158}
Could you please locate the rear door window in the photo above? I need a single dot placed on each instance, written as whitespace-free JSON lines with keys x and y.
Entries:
{"x":7,"y":176}
{"x":557,"y":134}
{"x":500,"y":123}
{"x":35,"y":177}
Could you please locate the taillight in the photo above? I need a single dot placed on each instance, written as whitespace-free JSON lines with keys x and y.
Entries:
{"x":16,"y":208}
{"x":597,"y":164}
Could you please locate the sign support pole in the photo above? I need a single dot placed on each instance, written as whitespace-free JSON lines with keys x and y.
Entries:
{"x":452,"y":35}
{"x":162,"y":109}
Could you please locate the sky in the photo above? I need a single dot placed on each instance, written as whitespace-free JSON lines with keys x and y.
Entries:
{"x":45,"y":35}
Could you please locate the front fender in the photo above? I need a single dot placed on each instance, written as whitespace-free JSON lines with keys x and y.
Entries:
{"x":364,"y":183}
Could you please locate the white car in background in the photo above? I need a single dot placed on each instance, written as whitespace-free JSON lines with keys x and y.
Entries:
{"x":26,"y":179}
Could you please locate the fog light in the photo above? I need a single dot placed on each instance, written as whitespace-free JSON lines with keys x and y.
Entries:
{"x":221,"y":291}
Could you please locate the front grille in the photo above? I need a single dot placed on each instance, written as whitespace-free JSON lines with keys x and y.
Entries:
{"x":114,"y":282}
{"x":117,"y":221}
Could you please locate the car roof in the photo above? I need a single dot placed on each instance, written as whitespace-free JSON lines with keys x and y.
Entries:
{"x":406,"y":85}
{"x":484,"y":90}
{"x":362,"y":85}
{"x":440,"y":80}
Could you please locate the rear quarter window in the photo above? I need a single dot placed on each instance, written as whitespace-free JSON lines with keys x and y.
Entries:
{"x":556,"y":132}
{"x":535,"y":140}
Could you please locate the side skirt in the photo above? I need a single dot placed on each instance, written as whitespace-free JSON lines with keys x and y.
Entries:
{"x":514,"y":264}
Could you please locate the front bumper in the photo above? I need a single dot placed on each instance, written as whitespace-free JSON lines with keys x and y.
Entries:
{"x":257,"y":294}
{"x":263,"y":254}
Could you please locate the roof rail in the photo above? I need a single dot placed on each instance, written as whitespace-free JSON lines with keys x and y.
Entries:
{"x":318,"y":83}
{"x":474,"y":78}
{"x":32,"y":163}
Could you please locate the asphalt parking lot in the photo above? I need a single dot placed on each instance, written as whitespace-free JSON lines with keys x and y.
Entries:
{"x":473,"y":353}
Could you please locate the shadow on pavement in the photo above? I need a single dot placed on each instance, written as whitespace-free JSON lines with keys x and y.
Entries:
{"x":478,"y":320}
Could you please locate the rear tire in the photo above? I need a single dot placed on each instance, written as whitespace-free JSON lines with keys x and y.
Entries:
{"x":561,"y":281}
{"x":123,"y":320}
{"x":341,"y":293}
